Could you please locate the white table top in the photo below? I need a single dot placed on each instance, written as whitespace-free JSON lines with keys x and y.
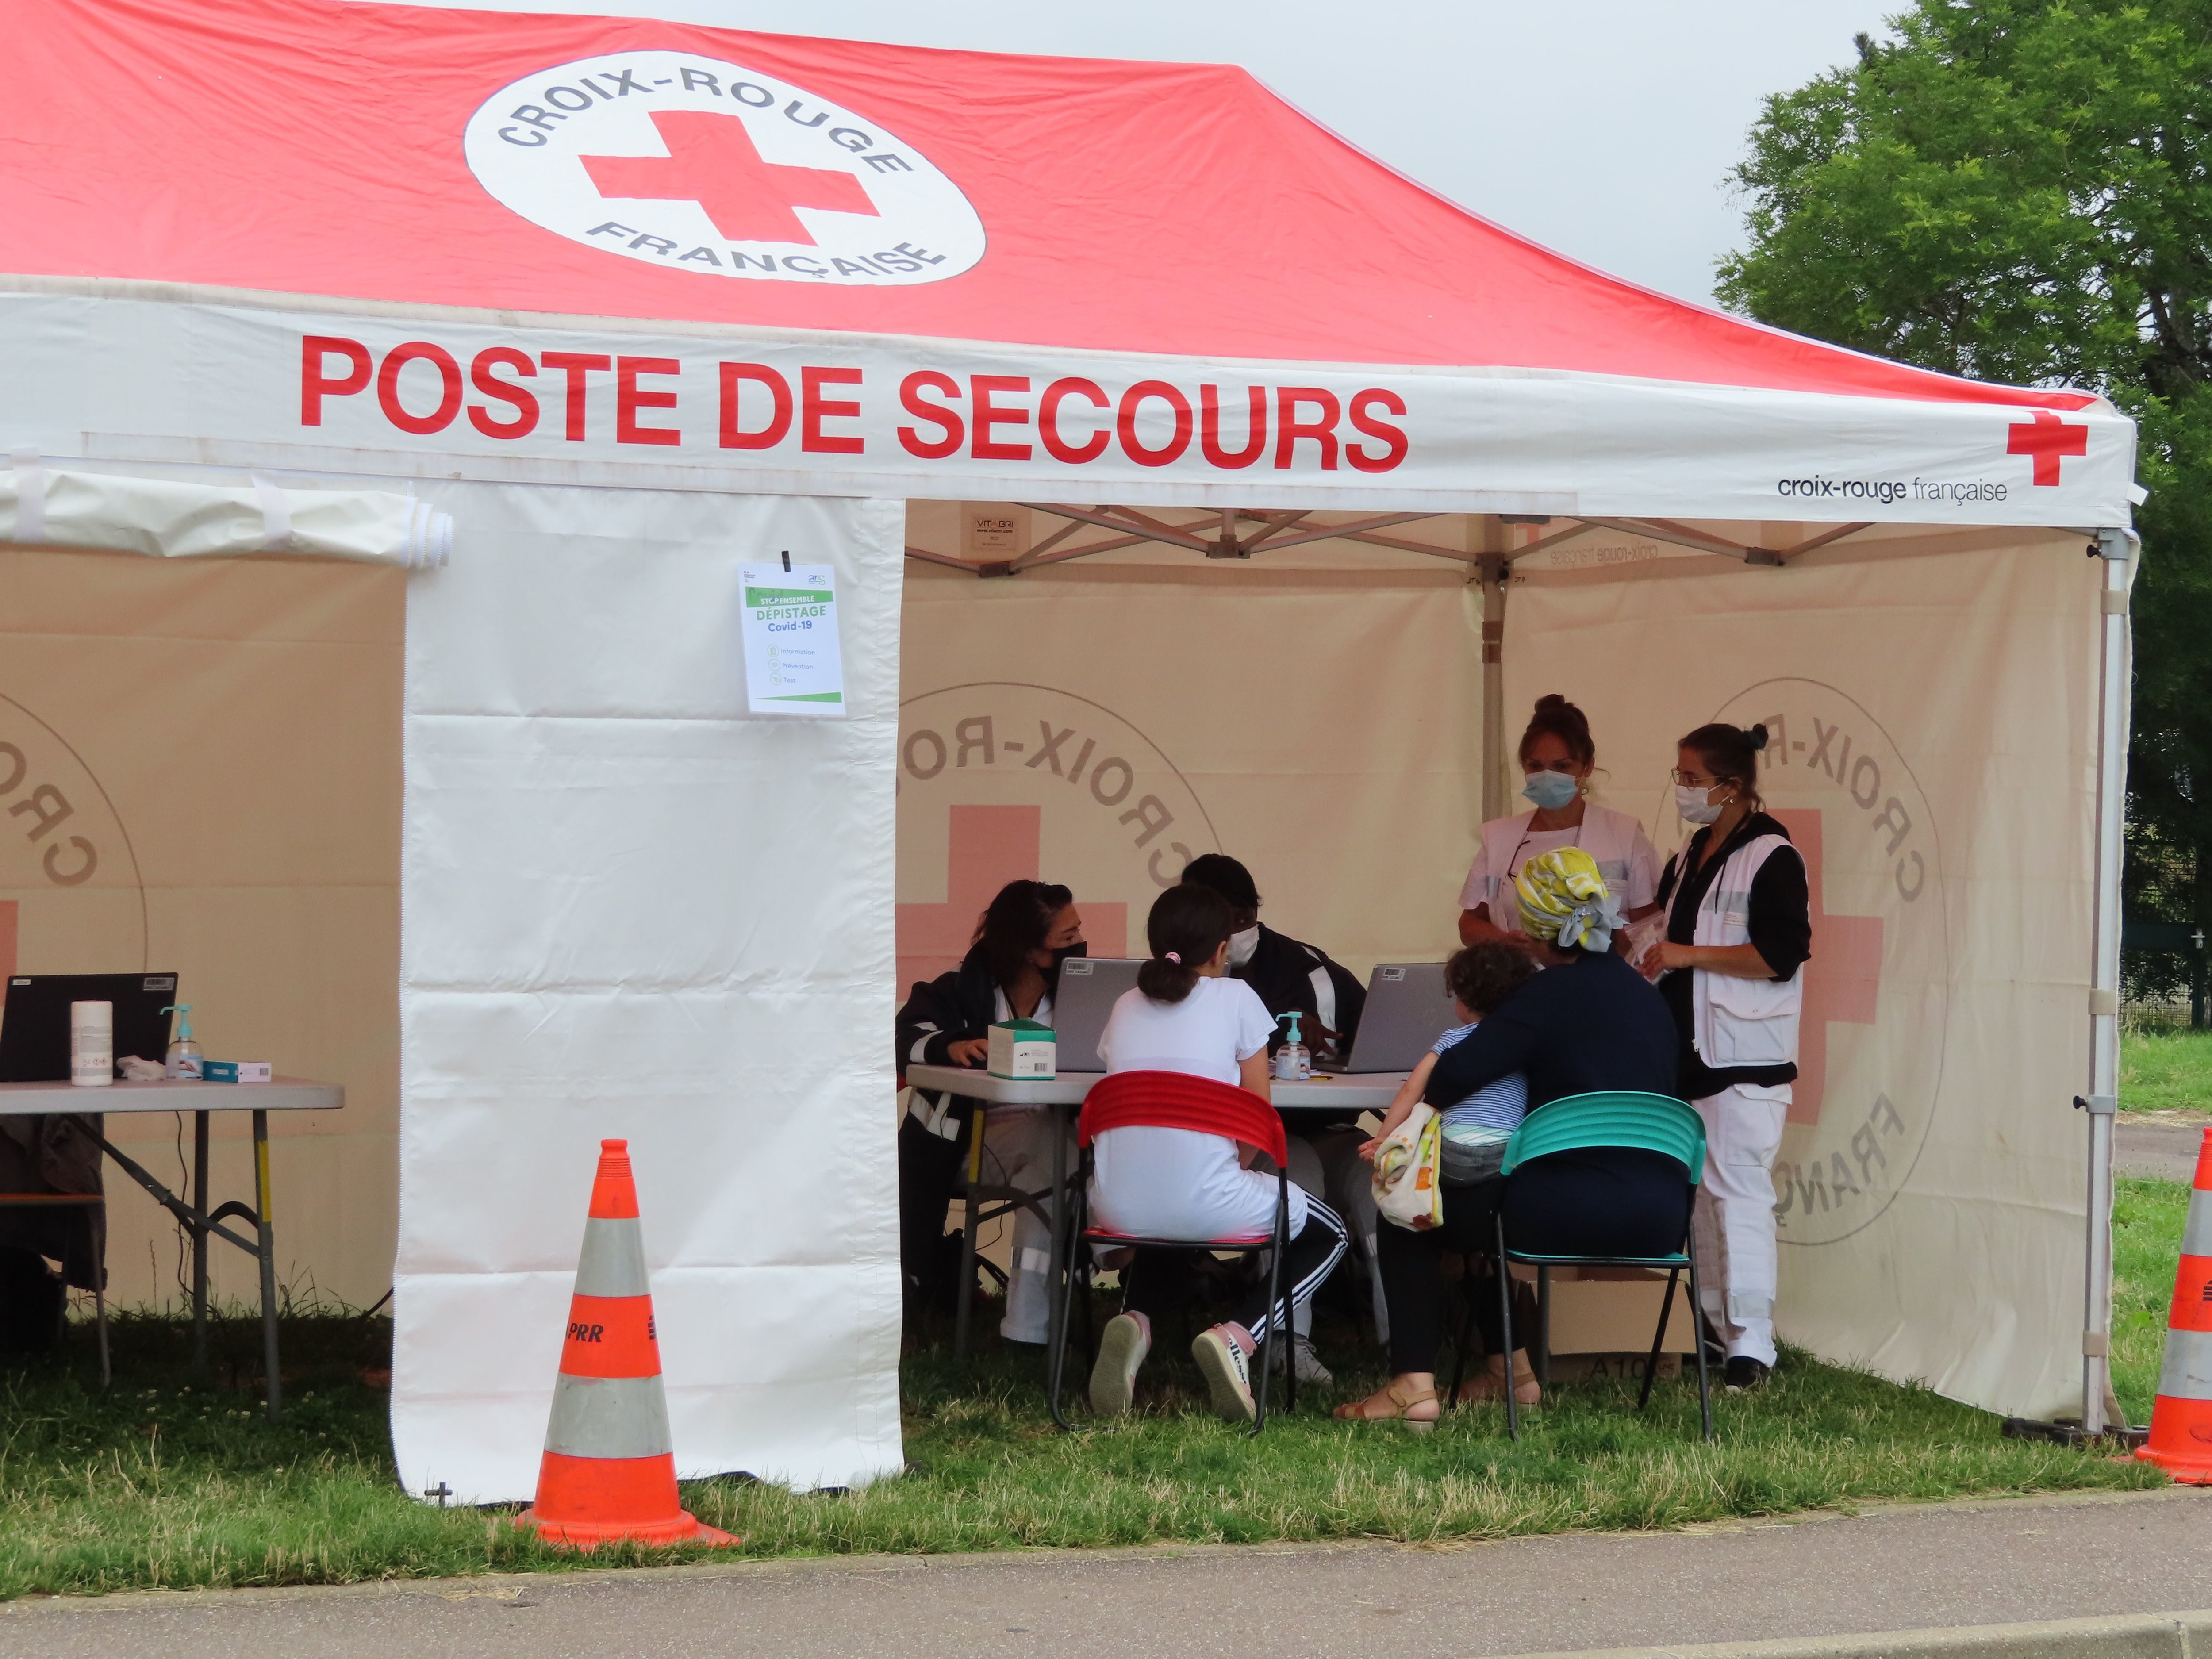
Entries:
{"x":1363,"y":1091}
{"x":286,"y":1094}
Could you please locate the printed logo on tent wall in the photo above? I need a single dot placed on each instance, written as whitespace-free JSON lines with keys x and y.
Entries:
{"x":70,"y":898}
{"x":1001,"y":781}
{"x":701,"y":165}
{"x":1877,"y":990}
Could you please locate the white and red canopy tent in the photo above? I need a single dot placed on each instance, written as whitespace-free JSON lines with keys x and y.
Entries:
{"x":632,"y":301}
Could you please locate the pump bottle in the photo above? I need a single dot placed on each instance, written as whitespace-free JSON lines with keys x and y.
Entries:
{"x":184,"y":1052}
{"x":1292,"y":1063}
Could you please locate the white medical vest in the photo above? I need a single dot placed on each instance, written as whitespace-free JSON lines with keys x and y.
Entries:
{"x":1740,"y":1022}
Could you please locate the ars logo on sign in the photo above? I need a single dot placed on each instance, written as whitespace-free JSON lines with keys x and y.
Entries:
{"x":699,"y":165}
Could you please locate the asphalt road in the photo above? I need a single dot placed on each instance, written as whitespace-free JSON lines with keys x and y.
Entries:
{"x":2165,"y":1151}
{"x":1896,"y":1568}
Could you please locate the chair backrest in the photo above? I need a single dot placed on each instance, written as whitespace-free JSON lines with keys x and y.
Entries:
{"x":1176,"y":1100}
{"x":1655,"y":1123}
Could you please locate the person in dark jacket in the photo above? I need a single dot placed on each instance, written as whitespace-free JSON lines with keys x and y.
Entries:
{"x":1009,"y":972}
{"x":1588,"y":1022}
{"x":1292,"y":976}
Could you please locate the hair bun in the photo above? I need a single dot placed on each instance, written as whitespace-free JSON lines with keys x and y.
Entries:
{"x":1552,"y":703}
{"x":1756,"y":736}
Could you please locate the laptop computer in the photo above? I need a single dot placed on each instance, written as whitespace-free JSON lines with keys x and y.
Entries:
{"x":1408,"y":1010}
{"x":35,"y":1020}
{"x":1088,"y":989}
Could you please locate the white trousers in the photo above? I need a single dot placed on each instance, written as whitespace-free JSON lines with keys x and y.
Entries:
{"x":1018,"y":1152}
{"x":1738,"y":1261}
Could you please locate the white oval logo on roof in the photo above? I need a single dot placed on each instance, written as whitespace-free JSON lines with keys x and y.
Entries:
{"x":701,"y":165}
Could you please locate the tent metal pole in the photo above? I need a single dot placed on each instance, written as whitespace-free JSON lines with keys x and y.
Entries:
{"x":1492,"y":568}
{"x":2115,"y":549}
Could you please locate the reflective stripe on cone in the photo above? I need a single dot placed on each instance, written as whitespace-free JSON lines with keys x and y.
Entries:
{"x":609,"y":1472}
{"x":2180,"y":1440}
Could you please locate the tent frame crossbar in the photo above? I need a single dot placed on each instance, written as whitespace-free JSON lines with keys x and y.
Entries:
{"x":1279,"y":532}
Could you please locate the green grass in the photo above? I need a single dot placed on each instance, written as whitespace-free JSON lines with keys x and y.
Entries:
{"x":2166,"y":1072}
{"x":167,"y":1482}
{"x":2146,"y":1224}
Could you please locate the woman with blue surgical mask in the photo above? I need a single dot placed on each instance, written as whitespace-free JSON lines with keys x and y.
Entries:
{"x":1557,"y":759}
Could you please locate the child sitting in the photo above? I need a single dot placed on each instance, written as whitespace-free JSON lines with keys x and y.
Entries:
{"x":1476,"y":1129}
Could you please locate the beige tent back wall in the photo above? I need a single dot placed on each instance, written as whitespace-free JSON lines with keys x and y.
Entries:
{"x":1932,"y":702}
{"x":1098,"y":726}
{"x":225,"y":736}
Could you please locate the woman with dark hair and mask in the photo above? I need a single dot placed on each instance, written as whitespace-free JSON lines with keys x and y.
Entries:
{"x":1557,"y":759}
{"x":1739,"y":927}
{"x":1008,"y":974}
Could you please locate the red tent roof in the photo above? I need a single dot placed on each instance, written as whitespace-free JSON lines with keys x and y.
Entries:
{"x":301,"y":147}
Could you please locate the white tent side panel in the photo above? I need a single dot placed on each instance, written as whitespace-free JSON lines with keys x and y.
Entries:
{"x":631,"y":911}
{"x":1935,"y":723}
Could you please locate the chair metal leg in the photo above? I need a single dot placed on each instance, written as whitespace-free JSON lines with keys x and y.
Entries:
{"x":1464,"y":1344}
{"x":1057,"y":1364}
{"x":1658,"y":1337}
{"x":1505,"y":1333}
{"x":1544,"y":1326}
{"x":1697,"y":1301}
{"x":969,"y":1206}
{"x":100,"y":1320}
{"x":1278,"y":1293}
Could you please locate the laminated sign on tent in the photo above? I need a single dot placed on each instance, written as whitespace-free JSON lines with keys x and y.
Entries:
{"x":1292,"y":478}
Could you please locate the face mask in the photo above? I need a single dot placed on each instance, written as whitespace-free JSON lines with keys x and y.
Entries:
{"x":1694,"y":807}
{"x":1242,"y":946}
{"x":1067,"y":950}
{"x":1552,"y":790}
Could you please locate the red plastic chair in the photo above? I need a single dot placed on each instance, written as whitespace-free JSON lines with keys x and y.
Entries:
{"x":1175,"y":1100}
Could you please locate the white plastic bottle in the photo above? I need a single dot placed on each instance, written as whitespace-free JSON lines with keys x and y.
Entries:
{"x":185,"y":1052}
{"x":1292,"y":1063}
{"x":92,"y":1044}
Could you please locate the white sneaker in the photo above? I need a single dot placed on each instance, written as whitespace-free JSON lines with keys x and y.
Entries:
{"x":1122,"y":1346}
{"x":1310,"y":1370}
{"x":1228,"y":1375}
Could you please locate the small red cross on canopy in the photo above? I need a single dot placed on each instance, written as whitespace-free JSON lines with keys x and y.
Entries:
{"x":711,"y":161}
{"x":2046,"y":438}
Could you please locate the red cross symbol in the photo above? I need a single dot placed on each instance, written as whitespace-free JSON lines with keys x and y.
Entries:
{"x":987,"y":847}
{"x":711,"y":161}
{"x":1841,"y":981}
{"x":2046,"y":438}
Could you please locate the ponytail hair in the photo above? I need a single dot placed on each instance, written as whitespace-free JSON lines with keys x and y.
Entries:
{"x":1730,"y":755}
{"x":1556,"y":717}
{"x":1187,"y":926}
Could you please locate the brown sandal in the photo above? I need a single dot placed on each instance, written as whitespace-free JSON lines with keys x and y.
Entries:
{"x":1395,"y":1407}
{"x":1489,"y":1384}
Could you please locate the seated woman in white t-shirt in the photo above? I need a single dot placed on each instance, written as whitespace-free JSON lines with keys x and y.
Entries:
{"x":1187,"y":1016}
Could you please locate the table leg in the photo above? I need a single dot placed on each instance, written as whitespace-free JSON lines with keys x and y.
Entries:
{"x":965,"y":1292}
{"x":267,"y":1252}
{"x":199,"y":1242}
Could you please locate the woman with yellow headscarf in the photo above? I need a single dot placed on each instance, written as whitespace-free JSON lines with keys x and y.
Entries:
{"x":1588,"y":1022}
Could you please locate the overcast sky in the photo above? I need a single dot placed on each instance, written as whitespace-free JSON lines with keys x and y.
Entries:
{"x":1604,"y":129}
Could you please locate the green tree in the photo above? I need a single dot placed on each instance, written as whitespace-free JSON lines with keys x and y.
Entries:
{"x":2021,"y":190}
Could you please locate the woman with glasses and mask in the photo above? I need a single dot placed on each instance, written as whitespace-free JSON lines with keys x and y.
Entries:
{"x":1739,"y":927}
{"x":1557,"y":756}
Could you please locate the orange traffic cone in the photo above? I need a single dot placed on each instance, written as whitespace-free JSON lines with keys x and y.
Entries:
{"x":610,"y":1470}
{"x":2181,"y":1420}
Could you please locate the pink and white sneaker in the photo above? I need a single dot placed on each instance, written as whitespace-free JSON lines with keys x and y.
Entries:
{"x":1122,"y":1346}
{"x":1224,"y":1355}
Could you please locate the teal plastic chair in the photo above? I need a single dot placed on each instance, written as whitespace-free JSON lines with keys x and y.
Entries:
{"x":1655,"y":1123}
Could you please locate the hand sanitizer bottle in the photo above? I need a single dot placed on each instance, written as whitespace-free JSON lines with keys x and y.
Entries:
{"x":1292,"y":1063}
{"x":184,"y":1052}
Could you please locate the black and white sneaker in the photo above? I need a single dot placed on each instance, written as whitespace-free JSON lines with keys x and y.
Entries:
{"x":1744,"y":1373}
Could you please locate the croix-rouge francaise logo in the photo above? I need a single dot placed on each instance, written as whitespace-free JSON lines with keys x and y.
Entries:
{"x":695,"y":164}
